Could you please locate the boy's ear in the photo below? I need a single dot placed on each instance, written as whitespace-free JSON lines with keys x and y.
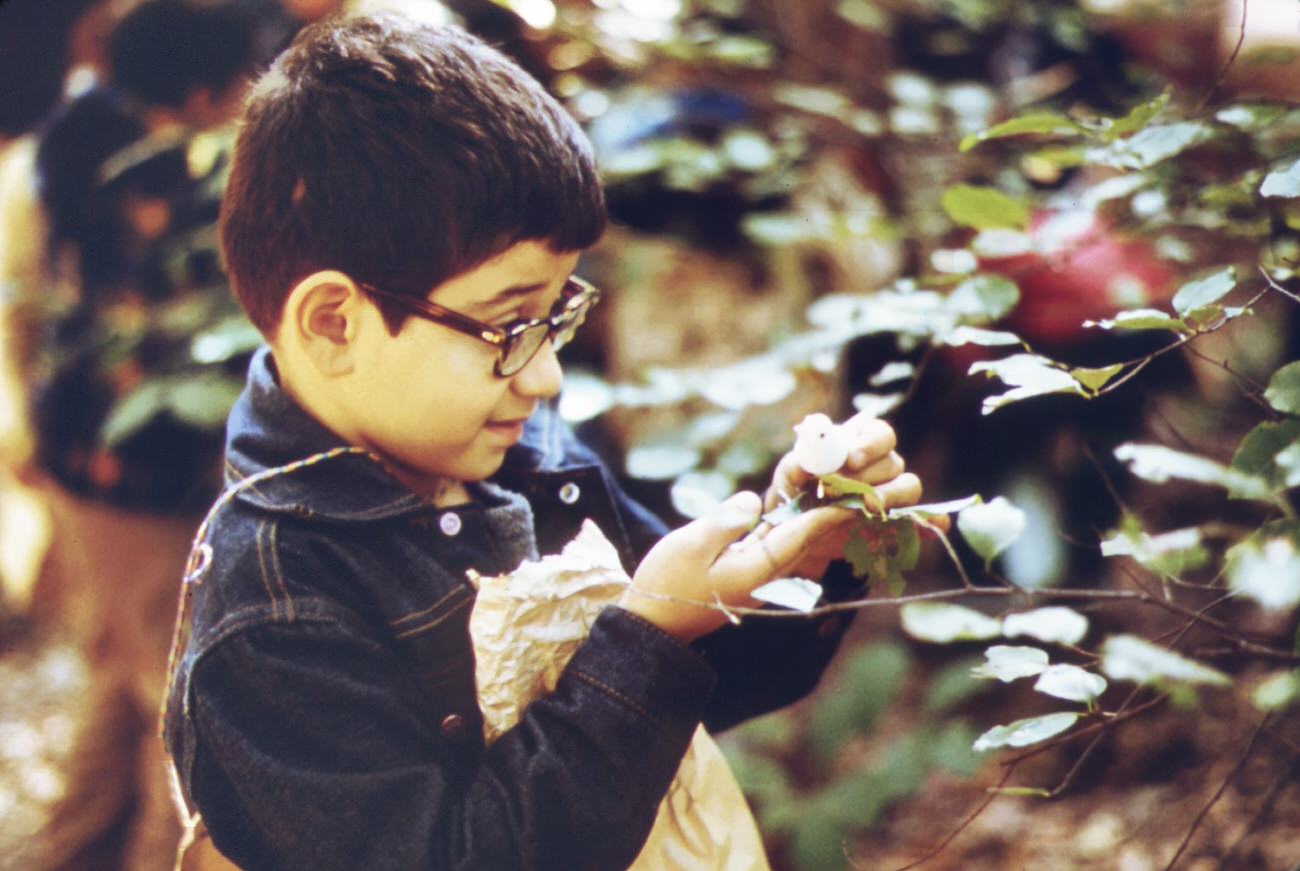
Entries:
{"x":321,"y":319}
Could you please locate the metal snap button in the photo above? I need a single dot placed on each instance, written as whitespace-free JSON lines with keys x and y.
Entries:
{"x":570,"y":493}
{"x":450,"y":523}
{"x":453,"y":725}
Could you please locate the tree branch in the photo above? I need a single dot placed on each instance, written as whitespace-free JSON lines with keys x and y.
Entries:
{"x":1236,"y":769}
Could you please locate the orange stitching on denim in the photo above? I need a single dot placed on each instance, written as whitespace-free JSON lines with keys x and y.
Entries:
{"x":609,"y":690}
{"x":429,"y":610}
{"x":266,"y":579}
{"x":279,"y":574}
{"x":424,"y":627}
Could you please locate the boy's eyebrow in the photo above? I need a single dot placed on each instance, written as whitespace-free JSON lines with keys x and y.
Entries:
{"x":509,"y":294}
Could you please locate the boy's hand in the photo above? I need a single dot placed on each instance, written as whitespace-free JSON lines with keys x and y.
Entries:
{"x":698,"y":564}
{"x":871,"y":460}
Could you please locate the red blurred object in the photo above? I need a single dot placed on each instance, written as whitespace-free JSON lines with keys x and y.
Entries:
{"x":1078,"y":270}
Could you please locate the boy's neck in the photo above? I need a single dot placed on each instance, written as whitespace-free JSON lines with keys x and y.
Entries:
{"x":442,"y":492}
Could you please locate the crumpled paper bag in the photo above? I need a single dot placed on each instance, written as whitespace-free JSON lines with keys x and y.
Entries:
{"x":527,"y":624}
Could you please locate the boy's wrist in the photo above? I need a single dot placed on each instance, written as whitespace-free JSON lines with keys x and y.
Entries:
{"x":682,"y":620}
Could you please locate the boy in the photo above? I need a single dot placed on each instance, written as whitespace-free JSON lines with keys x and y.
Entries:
{"x":404,"y":212}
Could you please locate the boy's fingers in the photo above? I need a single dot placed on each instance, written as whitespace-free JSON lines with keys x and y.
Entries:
{"x":872,"y":440}
{"x":884,"y":469}
{"x":710,"y":534}
{"x":788,"y":481}
{"x":761,"y":557}
{"x":902,"y":491}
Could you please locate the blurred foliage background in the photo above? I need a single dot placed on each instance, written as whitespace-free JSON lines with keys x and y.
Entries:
{"x":824,"y":205}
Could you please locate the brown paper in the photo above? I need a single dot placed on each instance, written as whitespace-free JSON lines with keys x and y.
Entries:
{"x":525,"y":627}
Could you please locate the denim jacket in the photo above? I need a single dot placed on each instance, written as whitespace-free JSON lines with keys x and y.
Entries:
{"x":322,"y":710}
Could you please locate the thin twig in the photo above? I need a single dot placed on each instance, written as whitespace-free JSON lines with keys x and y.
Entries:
{"x":992,"y":795}
{"x":1105,"y":478}
{"x":1086,"y":730}
{"x":1092,"y":745}
{"x":1265,"y":808}
{"x":1289,"y":294}
{"x":1218,"y":793}
{"x":1223,"y":73}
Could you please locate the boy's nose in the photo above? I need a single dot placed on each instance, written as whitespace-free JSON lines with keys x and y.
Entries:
{"x":542,"y":376}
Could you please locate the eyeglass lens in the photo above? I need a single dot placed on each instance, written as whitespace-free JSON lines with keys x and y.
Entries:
{"x":518,"y":352}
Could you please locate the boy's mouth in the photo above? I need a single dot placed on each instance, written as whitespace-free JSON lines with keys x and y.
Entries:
{"x":512,"y":429}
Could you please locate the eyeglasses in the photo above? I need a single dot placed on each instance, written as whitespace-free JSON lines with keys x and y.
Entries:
{"x":519,"y":342}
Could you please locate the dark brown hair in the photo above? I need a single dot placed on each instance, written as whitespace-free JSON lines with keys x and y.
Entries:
{"x":402,"y":154}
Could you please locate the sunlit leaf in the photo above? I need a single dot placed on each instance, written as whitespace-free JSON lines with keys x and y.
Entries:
{"x":992,"y":527}
{"x":1029,"y":374}
{"x":1115,"y":188}
{"x":1137,"y":118}
{"x":1258,"y":453}
{"x":1157,"y":463}
{"x":987,"y":297}
{"x":1040,"y":123}
{"x":133,"y":411}
{"x":660,"y":462}
{"x":1071,"y":683}
{"x":1007,"y":663}
{"x":1140,"y":319}
{"x":1265,"y":567}
{"x":1054,"y":624}
{"x":1000,"y":242}
{"x":983,"y":207}
{"x":203,"y":401}
{"x":1250,"y":116}
{"x":1022,"y":733}
{"x":877,"y":405}
{"x":225,"y":341}
{"x":1277,"y":691}
{"x":695,"y":494}
{"x":797,"y":594}
{"x":1283,"y":391}
{"x":891,"y":372}
{"x":1169,"y":554}
{"x":942,"y":623}
{"x":934,"y":509}
{"x":1204,"y":291}
{"x":964,"y":335}
{"x":1095,"y":379}
{"x":1127,"y":657}
{"x":1282,"y":182}
{"x":584,"y":396}
{"x":1152,"y":145}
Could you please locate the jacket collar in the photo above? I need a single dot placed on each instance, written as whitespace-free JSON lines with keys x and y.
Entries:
{"x":305,"y":469}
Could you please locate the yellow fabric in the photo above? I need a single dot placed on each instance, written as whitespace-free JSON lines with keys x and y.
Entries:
{"x":526,"y":625}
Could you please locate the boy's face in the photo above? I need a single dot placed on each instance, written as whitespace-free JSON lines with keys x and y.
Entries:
{"x":427,"y":399}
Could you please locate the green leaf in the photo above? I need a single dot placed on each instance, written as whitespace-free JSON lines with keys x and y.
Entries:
{"x":992,"y":527}
{"x":951,"y":686}
{"x":840,"y":485}
{"x":1041,"y":123}
{"x":1250,"y":116}
{"x":986,"y":297}
{"x":133,"y":412}
{"x":1277,"y":691}
{"x":1282,"y":182}
{"x":1204,"y":291}
{"x":935,"y":509}
{"x":225,"y":341}
{"x":1127,"y":657}
{"x":1283,"y":391}
{"x":1007,"y":663}
{"x":1169,"y":554}
{"x":951,"y":750}
{"x":203,"y":401}
{"x":942,"y":623}
{"x":1095,"y":379}
{"x":660,"y":462}
{"x":1152,"y":145}
{"x":857,"y":553}
{"x":1288,"y":463}
{"x":1022,"y":733}
{"x":869,"y":682}
{"x":1258,"y":453}
{"x":983,"y":207}
{"x":1136,"y":119}
{"x":1141,"y":319}
{"x":964,"y":335}
{"x":1158,"y":464}
{"x":1053,"y":624}
{"x":1029,"y":374}
{"x":1071,"y":683}
{"x":1265,"y":567}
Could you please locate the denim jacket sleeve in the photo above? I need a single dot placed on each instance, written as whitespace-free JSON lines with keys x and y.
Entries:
{"x":310,"y":746}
